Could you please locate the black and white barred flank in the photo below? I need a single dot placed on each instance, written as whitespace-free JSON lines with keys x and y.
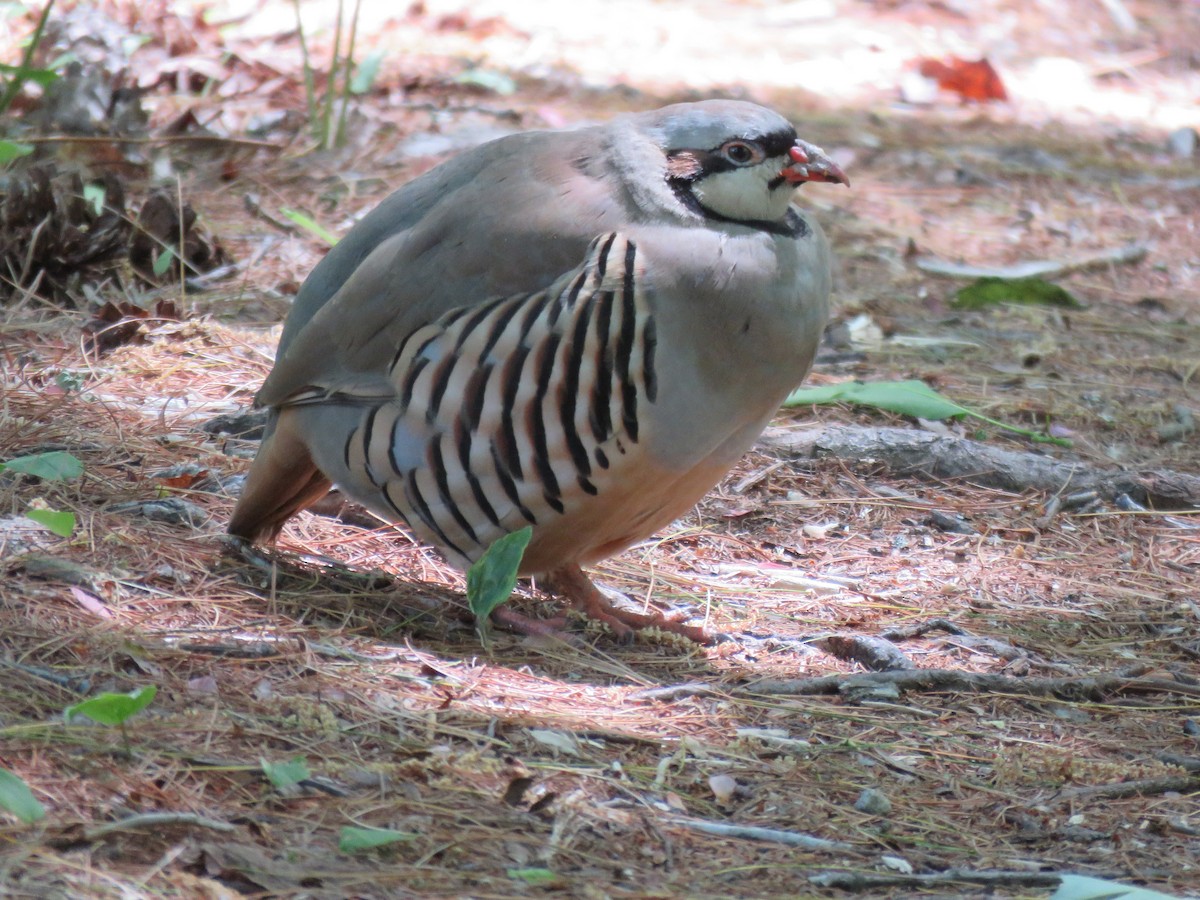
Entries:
{"x":547,"y":390}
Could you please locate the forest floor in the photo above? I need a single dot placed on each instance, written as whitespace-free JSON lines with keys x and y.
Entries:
{"x":936,"y":686}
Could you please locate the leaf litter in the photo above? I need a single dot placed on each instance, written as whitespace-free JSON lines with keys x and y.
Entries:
{"x":591,"y":769}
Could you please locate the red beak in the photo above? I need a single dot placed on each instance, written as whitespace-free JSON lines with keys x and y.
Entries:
{"x":809,"y":163}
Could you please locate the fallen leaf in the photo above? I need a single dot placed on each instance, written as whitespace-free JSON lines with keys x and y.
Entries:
{"x":1025,"y":291}
{"x":976,"y":80}
{"x":203,"y":684}
{"x":91,"y":602}
{"x":18,"y":799}
{"x":354,"y":840}
{"x":557,"y":740}
{"x":120,"y":323}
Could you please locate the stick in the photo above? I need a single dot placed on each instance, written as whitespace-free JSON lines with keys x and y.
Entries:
{"x":907,"y":451}
{"x":773,"y":835}
{"x":1095,"y":688}
{"x":1040,"y":268}
{"x":156,"y":820}
{"x":859,"y":880}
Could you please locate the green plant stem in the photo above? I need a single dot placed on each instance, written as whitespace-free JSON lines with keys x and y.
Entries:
{"x":335,"y":63}
{"x":18,"y":79}
{"x":310,"y":91}
{"x":347,"y":77}
{"x":1036,"y":436}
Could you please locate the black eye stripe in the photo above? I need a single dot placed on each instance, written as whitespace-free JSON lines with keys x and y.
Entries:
{"x":778,"y":143}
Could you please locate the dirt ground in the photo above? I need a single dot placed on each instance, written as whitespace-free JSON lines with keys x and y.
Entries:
{"x":936,"y":687}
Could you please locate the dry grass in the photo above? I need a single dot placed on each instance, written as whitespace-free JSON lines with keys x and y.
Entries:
{"x":353,"y":649}
{"x":382,"y":687}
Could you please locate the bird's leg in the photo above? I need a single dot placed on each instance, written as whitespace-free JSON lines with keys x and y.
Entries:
{"x":572,"y":585}
{"x":509,"y":618}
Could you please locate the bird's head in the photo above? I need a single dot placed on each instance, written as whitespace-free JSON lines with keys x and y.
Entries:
{"x":737,"y":162}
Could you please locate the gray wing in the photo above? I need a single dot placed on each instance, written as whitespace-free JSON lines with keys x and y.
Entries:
{"x":507,"y":218}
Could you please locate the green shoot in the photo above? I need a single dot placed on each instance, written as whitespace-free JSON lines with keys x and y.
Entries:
{"x":491,"y":579}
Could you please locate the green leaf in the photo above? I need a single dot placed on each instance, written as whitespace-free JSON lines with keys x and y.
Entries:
{"x":367,"y":71}
{"x":491,"y":579}
{"x":310,"y":225}
{"x":63,"y":60}
{"x":162,"y":261}
{"x":1026,"y":291}
{"x":10,"y":150}
{"x":1081,"y":887}
{"x":61,"y":523}
{"x":18,"y":799}
{"x":112,"y":709}
{"x":908,"y":398}
{"x":70,"y":382}
{"x":43,"y":77}
{"x":488,"y":80}
{"x":53,"y":466}
{"x":284,"y":775}
{"x":533,"y":876}
{"x":354,"y":840}
{"x":95,"y":194}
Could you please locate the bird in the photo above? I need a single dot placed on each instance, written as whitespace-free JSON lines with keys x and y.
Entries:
{"x":580,"y":331}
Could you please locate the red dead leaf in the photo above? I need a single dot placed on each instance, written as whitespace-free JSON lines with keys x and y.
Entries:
{"x":116,"y":324}
{"x":975,"y":81}
{"x":185,"y":480}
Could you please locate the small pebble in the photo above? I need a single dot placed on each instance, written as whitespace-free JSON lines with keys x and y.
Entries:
{"x":897,"y":864}
{"x":723,"y":787}
{"x":1182,"y":142}
{"x":873,"y":802}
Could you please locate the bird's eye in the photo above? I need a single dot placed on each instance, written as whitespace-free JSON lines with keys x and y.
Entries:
{"x":740,"y":153}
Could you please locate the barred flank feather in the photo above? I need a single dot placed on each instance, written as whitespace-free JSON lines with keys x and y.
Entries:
{"x":523,"y":399}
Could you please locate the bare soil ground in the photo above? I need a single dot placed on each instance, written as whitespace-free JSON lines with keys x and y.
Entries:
{"x":1068,"y":742}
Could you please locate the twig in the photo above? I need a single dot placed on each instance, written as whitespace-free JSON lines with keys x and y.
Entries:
{"x":255,"y":209}
{"x":1095,"y":688}
{"x":78,"y":684}
{"x":1040,"y":268}
{"x":675,"y":692}
{"x":459,"y":108}
{"x":754,"y":833}
{"x":921,"y":453}
{"x":1140,"y":788}
{"x":156,"y":820}
{"x":874,"y":653}
{"x":329,"y":651}
{"x":148,"y":139}
{"x":857,"y":881}
{"x":249,"y":650}
{"x":1188,"y":763}
{"x":920,"y":629}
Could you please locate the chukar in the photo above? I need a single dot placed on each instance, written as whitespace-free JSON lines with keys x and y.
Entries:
{"x":580,"y":331}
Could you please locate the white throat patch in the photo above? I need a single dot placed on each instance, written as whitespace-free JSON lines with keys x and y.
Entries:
{"x":744,"y":194}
